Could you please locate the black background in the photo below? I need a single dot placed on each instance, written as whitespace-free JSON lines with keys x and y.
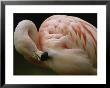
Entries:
{"x":38,"y":18}
{"x":21,"y":66}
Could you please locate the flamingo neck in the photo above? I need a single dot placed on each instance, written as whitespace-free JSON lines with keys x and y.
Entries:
{"x":25,"y":38}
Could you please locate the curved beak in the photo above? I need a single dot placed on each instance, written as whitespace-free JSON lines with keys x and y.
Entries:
{"x":35,"y":55}
{"x":40,"y":56}
{"x":44,"y":56}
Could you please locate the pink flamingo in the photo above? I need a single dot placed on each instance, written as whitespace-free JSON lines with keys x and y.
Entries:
{"x":65,"y":44}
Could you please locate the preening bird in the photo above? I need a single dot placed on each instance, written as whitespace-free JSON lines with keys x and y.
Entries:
{"x":65,"y":44}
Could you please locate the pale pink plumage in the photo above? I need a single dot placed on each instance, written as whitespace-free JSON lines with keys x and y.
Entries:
{"x":70,"y":41}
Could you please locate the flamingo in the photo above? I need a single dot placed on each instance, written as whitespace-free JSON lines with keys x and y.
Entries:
{"x":65,"y":44}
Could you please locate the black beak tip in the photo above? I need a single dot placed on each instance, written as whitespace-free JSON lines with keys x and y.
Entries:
{"x":44,"y":56}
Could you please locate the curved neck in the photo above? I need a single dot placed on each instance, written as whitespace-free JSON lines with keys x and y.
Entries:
{"x":25,"y":38}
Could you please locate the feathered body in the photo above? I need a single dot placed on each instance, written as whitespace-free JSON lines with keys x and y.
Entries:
{"x":71,"y":44}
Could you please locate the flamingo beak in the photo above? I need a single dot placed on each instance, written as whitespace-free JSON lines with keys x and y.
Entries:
{"x":35,"y":56}
{"x":42,"y":57}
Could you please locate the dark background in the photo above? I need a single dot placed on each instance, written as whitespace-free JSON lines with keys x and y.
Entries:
{"x":21,"y":66}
